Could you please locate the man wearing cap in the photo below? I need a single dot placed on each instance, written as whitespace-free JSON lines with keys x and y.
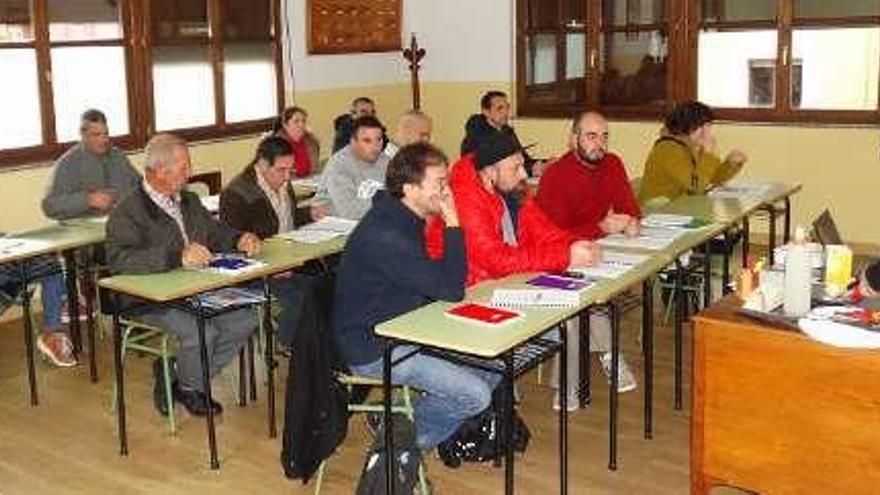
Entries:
{"x":507,"y":237}
{"x":587,"y":193}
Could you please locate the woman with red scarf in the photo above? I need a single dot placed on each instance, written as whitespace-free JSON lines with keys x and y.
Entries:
{"x":293,"y":127}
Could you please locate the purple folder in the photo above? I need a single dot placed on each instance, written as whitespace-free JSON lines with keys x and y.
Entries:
{"x":551,"y":282}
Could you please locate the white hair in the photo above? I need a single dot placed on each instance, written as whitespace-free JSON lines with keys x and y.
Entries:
{"x":158,"y":151}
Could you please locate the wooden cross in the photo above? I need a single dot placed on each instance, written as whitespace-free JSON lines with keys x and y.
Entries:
{"x":414,"y":55}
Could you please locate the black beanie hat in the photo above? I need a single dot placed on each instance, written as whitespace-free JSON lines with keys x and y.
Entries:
{"x":498,"y":147}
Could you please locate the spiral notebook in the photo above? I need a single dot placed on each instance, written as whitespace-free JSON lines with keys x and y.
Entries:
{"x":535,"y":298}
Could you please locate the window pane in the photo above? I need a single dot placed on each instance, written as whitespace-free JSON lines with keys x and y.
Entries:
{"x":543,"y":14}
{"x":574,"y":12}
{"x":739,"y":10}
{"x":179,"y":19}
{"x":737,"y":69}
{"x":625,"y":12}
{"x":541,"y":59}
{"x":183,"y":87}
{"x":840,"y":68}
{"x":575,"y":55}
{"x":837,"y":8}
{"x":75,"y":90}
{"x":250,"y":87}
{"x":633,"y":68}
{"x":15,"y":21}
{"x":20,"y":100}
{"x":246,"y":20}
{"x":83,"y":20}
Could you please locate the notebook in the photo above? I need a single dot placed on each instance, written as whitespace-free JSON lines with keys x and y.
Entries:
{"x":483,"y":315}
{"x":613,"y":265}
{"x":535,"y":298}
{"x":231,"y":264}
{"x":229,"y":297}
{"x":561,"y":283}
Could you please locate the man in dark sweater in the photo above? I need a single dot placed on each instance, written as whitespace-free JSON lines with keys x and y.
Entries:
{"x":386,"y":272}
{"x":160,"y":227}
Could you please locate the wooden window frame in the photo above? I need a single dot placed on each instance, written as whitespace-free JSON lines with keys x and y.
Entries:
{"x":137,"y":44}
{"x":684,"y":24}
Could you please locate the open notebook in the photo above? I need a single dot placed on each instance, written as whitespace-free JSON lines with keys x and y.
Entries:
{"x":535,"y":298}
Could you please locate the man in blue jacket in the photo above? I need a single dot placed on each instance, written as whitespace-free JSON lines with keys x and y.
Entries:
{"x":386,"y":272}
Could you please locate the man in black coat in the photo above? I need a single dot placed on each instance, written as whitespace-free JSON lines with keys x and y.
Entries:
{"x":386,"y":271}
{"x":160,"y":227}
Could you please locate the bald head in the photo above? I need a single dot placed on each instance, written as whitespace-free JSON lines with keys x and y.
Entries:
{"x":589,"y":137}
{"x":412,"y":127}
{"x":588,"y":118}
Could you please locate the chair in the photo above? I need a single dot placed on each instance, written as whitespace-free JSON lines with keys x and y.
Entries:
{"x":404,"y":406}
{"x":211,"y":180}
{"x":136,"y":337}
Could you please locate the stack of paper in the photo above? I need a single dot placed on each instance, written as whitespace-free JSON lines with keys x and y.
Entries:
{"x":735,"y":190}
{"x":667,"y":220}
{"x":310,"y":182}
{"x":535,"y":298}
{"x":613,"y":265}
{"x":323,"y":230}
{"x":651,"y":238}
{"x":211,"y":203}
{"x":10,"y":246}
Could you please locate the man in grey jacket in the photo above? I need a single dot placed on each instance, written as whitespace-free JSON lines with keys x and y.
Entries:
{"x":160,"y":227}
{"x":356,"y":172}
{"x":92,"y":176}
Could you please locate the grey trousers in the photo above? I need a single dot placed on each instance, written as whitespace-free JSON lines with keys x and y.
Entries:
{"x":600,"y":341}
{"x":224,"y":336}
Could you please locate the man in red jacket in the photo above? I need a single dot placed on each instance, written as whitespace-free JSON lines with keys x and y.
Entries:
{"x":587,"y":193}
{"x":501,"y":240}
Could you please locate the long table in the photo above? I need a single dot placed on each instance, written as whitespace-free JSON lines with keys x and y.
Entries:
{"x":178,"y":287}
{"x":64,"y":239}
{"x":428,"y":327}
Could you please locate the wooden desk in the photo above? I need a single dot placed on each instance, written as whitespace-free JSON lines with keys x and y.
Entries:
{"x":63,"y":239}
{"x":776,"y":412}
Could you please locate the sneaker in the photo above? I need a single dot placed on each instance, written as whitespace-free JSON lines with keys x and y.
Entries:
{"x":571,"y":404}
{"x":56,"y":347}
{"x":625,"y":380}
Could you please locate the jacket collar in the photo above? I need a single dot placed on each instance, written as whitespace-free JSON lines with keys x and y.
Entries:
{"x":396,"y":211}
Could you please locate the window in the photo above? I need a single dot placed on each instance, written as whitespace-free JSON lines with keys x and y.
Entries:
{"x":752,"y":60}
{"x":202,"y":68}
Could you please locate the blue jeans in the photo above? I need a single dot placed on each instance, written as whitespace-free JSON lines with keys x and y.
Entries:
{"x":452,"y":392}
{"x":47,"y":271}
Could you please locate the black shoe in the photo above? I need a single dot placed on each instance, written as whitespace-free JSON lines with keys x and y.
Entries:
{"x":196,"y":402}
{"x":159,"y":401}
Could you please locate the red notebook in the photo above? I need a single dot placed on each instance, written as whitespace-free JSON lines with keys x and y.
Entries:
{"x":483,"y":315}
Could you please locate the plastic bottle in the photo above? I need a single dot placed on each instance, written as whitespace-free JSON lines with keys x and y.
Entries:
{"x":798,"y":277}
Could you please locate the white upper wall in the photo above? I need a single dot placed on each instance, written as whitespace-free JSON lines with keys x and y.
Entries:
{"x":466,"y":40}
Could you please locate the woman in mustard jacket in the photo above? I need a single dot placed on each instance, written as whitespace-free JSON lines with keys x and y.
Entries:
{"x":683,"y":159}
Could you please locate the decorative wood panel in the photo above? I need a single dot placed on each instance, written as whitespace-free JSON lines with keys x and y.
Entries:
{"x":354,"y":26}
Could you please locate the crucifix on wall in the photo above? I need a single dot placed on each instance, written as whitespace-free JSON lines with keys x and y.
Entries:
{"x":414,"y":56}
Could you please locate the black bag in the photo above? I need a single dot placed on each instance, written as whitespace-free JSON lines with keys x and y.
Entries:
{"x":407,"y":457}
{"x":478,"y":439}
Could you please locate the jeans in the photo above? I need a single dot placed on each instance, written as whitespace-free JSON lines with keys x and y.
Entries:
{"x":224,"y":336}
{"x":452,"y":392}
{"x":47,"y":271}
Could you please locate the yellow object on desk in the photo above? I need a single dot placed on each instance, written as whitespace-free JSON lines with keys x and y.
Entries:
{"x":838,"y":268}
